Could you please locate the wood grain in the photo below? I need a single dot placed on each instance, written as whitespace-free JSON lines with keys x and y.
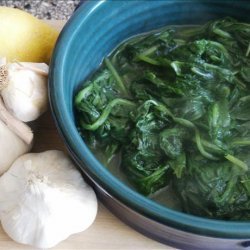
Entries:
{"x":107,"y":232}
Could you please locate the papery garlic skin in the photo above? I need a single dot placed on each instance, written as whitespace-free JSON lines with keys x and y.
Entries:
{"x":44,"y":199}
{"x":25,"y":94}
{"x":11,"y":147}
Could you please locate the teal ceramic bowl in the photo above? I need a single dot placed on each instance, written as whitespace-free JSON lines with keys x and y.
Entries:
{"x":94,"y":30}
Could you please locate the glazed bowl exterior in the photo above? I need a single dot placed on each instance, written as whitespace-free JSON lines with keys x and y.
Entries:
{"x":94,"y":30}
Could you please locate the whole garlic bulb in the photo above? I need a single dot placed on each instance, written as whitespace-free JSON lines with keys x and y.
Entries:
{"x":24,"y":89}
{"x":44,"y":199}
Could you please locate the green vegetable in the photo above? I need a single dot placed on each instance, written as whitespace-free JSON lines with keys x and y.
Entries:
{"x":214,"y":189}
{"x":174,"y":107}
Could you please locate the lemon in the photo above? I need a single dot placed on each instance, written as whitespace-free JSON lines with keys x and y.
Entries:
{"x":24,"y":37}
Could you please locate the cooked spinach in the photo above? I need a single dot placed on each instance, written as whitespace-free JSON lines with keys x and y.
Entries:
{"x":174,"y":104}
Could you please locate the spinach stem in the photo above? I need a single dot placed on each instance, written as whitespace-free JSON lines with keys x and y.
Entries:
{"x":184,"y":122}
{"x":117,"y":77}
{"x":82,"y":94}
{"x":149,"y":51}
{"x":103,"y":117}
{"x":201,"y":148}
{"x":240,"y":83}
{"x":245,"y":98}
{"x":241,"y":142}
{"x":147,"y":59}
{"x":236,"y":161}
{"x":222,"y":33}
{"x":228,"y":191}
{"x":248,"y":50}
{"x":198,"y":140}
{"x":212,"y":147}
{"x":156,"y":173}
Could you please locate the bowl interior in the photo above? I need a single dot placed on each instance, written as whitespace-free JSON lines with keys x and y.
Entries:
{"x":95,"y":29}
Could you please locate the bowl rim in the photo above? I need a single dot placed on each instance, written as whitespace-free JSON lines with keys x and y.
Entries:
{"x":96,"y":171}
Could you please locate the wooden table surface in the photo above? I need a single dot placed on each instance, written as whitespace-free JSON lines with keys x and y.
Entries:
{"x":107,"y":232}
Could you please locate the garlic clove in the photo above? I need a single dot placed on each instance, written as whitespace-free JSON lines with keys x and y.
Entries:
{"x":19,"y":128}
{"x":11,"y":147}
{"x":44,"y":199}
{"x":16,"y":138}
